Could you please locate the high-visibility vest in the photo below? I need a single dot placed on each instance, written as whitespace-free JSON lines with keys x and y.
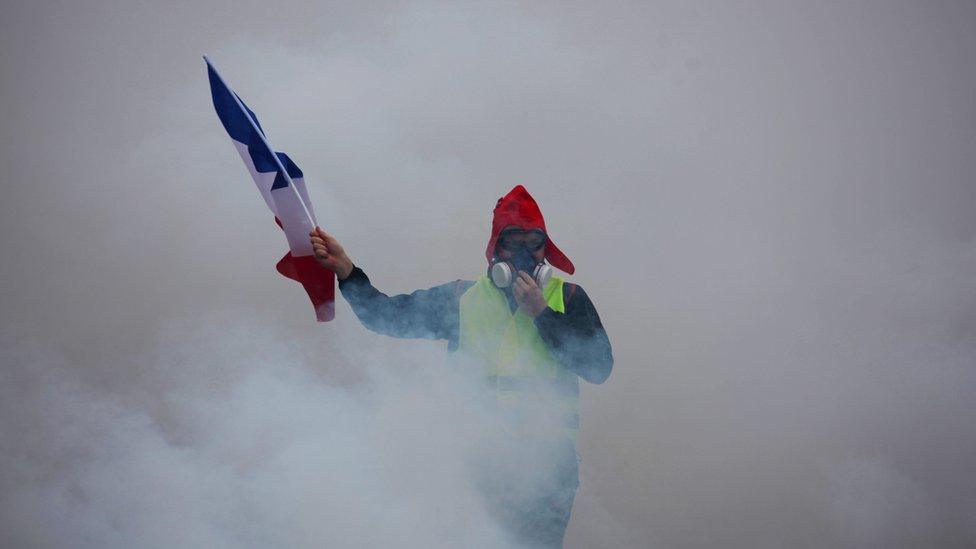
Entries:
{"x":524,"y":375}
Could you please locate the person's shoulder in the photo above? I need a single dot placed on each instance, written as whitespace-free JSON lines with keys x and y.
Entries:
{"x":569,"y":290}
{"x":455,"y":287}
{"x":573,"y":292}
{"x":460,"y":286}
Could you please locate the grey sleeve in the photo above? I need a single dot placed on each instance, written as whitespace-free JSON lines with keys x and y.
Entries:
{"x":425,"y":314}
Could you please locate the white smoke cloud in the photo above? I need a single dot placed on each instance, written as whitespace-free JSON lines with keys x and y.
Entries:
{"x":230,"y":439}
{"x":771,"y":206}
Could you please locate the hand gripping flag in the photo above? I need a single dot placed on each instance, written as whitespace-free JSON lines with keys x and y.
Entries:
{"x":282,"y":186}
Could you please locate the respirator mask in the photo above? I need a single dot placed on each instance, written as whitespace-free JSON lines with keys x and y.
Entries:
{"x":503,"y":271}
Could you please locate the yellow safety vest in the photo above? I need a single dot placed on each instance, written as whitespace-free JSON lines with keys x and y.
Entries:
{"x":525,"y":376}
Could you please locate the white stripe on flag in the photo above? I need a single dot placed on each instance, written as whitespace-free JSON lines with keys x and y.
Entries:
{"x":294,"y":221}
{"x":264,"y":181}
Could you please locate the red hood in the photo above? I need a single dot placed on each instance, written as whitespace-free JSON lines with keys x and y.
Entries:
{"x":519,"y":208}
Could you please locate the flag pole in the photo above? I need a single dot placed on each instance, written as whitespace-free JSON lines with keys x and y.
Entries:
{"x":257,"y":130}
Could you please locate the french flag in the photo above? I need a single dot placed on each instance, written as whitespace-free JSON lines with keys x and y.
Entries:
{"x":282,"y":186}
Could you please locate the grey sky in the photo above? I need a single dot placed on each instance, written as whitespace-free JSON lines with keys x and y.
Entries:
{"x":771,"y":205}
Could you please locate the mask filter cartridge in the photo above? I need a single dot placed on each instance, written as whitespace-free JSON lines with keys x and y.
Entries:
{"x":503,"y":273}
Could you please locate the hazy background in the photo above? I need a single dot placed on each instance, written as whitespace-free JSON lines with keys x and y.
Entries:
{"x":772,"y":205}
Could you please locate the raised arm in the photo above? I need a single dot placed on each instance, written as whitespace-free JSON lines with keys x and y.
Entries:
{"x":425,"y":314}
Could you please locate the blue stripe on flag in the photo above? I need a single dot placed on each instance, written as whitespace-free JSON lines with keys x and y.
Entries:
{"x":240,"y":130}
{"x":254,"y":117}
{"x":293,"y":171}
{"x":234,"y":121}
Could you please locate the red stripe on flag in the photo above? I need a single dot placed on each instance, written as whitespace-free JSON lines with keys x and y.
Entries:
{"x":318,"y":281}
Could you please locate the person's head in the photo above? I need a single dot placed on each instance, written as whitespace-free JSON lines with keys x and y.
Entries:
{"x":518,"y":211}
{"x":514,"y":239}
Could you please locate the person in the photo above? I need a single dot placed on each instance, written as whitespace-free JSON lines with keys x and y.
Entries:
{"x":532,"y":334}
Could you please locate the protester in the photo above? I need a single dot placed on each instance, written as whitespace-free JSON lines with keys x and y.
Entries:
{"x":531,"y":334}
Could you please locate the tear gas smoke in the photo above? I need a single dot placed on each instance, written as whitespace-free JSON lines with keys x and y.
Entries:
{"x":231,"y":439}
{"x":770,"y":204}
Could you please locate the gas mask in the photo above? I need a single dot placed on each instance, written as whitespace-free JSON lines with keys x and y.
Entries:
{"x":503,"y":272}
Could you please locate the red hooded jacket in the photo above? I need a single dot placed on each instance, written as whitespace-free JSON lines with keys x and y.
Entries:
{"x":520,"y":209}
